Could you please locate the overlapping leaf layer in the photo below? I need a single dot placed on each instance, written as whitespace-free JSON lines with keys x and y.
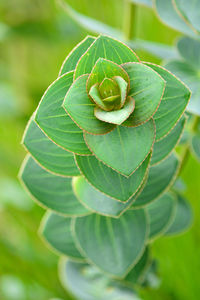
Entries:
{"x":110,"y":122}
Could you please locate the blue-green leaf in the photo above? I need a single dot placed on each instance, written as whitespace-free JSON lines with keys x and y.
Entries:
{"x":53,"y":120}
{"x":160,"y":178}
{"x":56,"y":230}
{"x":110,"y":182}
{"x":47,"y":153}
{"x":113,"y":245}
{"x":104,"y":47}
{"x":51,"y":191}
{"x":183,"y":217}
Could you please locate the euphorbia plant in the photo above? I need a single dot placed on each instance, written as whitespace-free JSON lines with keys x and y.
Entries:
{"x":100,"y":159}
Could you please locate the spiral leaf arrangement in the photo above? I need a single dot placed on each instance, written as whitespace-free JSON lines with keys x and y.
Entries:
{"x":100,"y":158}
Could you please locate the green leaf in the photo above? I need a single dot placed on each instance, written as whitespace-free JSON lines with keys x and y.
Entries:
{"x":146,"y":88}
{"x":188,"y":74}
{"x":164,"y":147}
{"x":143,"y":2}
{"x":104,"y":47}
{"x":161,"y":213}
{"x":116,"y":116}
{"x":183,"y":217}
{"x":53,"y":120}
{"x":81,"y":109}
{"x":159,"y":50}
{"x":108,"y":181}
{"x":71,"y":60}
{"x":190,"y":10}
{"x":98,"y":202}
{"x":138,"y":271}
{"x":104,"y":68}
{"x":113,"y":245}
{"x":160,"y":178}
{"x":195,"y":143}
{"x":189,"y":49}
{"x":48,"y":154}
{"x":51,"y":191}
{"x":56,"y":230}
{"x":90,"y":24}
{"x":86,"y":282}
{"x":175,"y":99}
{"x":125,"y":148}
{"x":169,"y":15}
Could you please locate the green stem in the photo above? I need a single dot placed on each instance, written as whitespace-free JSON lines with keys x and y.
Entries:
{"x":129,"y":19}
{"x":186,"y":152}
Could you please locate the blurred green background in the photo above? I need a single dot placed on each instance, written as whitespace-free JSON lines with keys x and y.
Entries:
{"x":35,"y":37}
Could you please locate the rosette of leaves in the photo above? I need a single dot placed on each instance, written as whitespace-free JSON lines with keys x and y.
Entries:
{"x":100,"y":158}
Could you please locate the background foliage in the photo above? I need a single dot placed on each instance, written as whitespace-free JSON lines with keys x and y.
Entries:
{"x":36,"y":36}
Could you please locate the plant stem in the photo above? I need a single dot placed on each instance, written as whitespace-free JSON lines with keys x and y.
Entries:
{"x":129,"y":18}
{"x":186,"y":152}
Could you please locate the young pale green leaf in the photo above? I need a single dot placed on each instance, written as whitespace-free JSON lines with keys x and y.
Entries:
{"x":113,"y":245}
{"x":146,"y":88}
{"x":160,"y":178}
{"x":143,"y":2}
{"x":161,"y":213}
{"x":51,"y":191}
{"x":56,"y":230}
{"x":104,"y":68}
{"x":116,"y":116}
{"x":190,"y":10}
{"x":71,"y":60}
{"x":190,"y":76}
{"x":136,"y":274}
{"x":53,"y":120}
{"x":125,"y":148}
{"x":183,"y":217}
{"x":110,"y":182}
{"x":90,"y":24}
{"x":171,"y":17}
{"x":81,"y":109}
{"x":159,"y":50}
{"x":164,"y":147}
{"x":86,"y":282}
{"x":195,"y":143}
{"x":47,"y":153}
{"x":104,"y":47}
{"x":189,"y":49}
{"x":175,"y":99}
{"x":98,"y":202}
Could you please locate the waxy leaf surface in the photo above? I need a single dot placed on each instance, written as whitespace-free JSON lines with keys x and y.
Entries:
{"x":56,"y":231}
{"x":97,"y":201}
{"x":125,"y":148}
{"x":47,"y":153}
{"x":137,"y":273}
{"x":163,"y":147}
{"x":190,"y":11}
{"x":50,"y":190}
{"x":169,"y":15}
{"x":183,"y":217}
{"x":146,"y":88}
{"x":160,"y":178}
{"x":104,"y":47}
{"x":175,"y":99}
{"x":86,"y":282}
{"x":161,"y":213}
{"x":109,"y":181}
{"x":114,"y":245}
{"x":53,"y":120}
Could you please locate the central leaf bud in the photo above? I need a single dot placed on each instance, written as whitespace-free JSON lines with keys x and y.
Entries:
{"x":108,"y":87}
